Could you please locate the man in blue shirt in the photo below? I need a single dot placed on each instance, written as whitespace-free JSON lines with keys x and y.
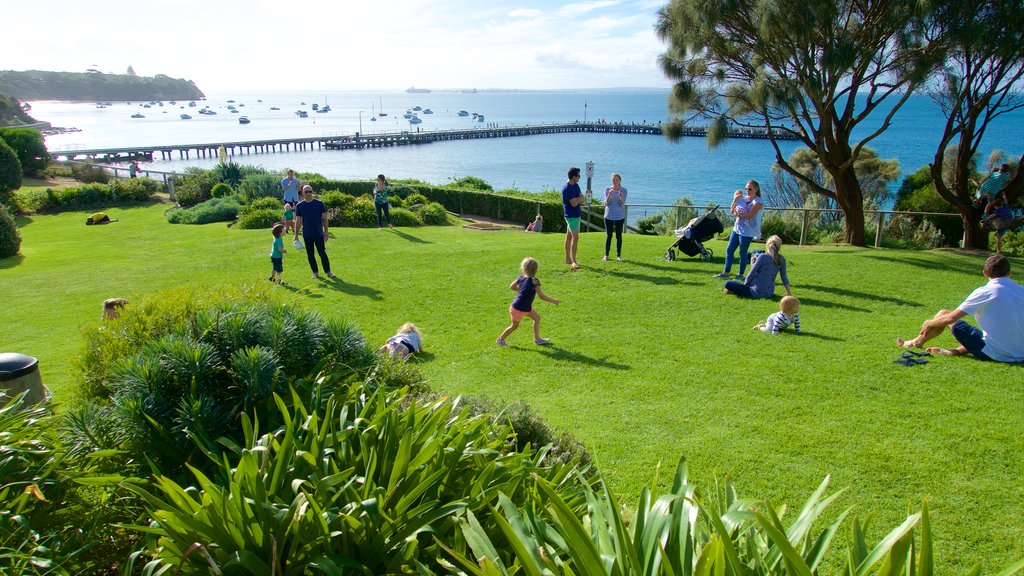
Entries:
{"x":311,"y":218}
{"x":290,"y":187}
{"x":572,"y":200}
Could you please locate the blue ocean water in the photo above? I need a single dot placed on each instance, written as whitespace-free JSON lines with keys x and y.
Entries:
{"x":654,"y":170}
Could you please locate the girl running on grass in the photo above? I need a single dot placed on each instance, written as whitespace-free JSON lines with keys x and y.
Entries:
{"x":528,"y":286}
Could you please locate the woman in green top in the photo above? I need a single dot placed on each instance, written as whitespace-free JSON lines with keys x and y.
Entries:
{"x":380,"y":201}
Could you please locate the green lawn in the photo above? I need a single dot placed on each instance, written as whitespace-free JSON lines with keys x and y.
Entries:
{"x":648,"y":361}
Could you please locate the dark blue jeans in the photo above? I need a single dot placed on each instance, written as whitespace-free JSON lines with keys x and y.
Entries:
{"x":743,"y":243}
{"x":739,"y":288}
{"x":386,"y":208}
{"x":318,"y":243}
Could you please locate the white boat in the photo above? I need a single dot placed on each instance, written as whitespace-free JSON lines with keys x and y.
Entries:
{"x":382,"y":112}
{"x":415,"y":120}
{"x":480,"y":118}
{"x":243,"y":120}
{"x":463,"y":113}
{"x":428,"y":111}
{"x":186,"y":117}
{"x":274,"y":108}
{"x":417,"y":108}
{"x":408,"y":114}
{"x":302,"y":113}
{"x":137,"y":115}
{"x":192,"y":104}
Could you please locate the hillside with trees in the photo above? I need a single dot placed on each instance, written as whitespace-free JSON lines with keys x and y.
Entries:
{"x":11,"y":113}
{"x":95,"y":85}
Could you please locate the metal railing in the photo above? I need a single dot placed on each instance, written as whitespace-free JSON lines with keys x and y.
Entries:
{"x":116,"y":171}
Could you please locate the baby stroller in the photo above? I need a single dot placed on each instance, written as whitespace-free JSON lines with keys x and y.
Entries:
{"x":691,"y":236}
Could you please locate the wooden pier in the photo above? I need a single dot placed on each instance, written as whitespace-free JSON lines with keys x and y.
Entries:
{"x":375,"y":140}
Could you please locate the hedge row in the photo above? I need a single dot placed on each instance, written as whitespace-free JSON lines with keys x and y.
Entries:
{"x":86,"y":196}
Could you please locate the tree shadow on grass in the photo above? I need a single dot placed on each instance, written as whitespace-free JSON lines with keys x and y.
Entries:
{"x":831,"y":304}
{"x":409,"y":237}
{"x":354,"y":289}
{"x":681,"y":266}
{"x":859,"y":295}
{"x":22,"y":221}
{"x":11,"y":262}
{"x":561,"y":354}
{"x":659,"y":280}
{"x":931,"y":265}
{"x":422,"y":357}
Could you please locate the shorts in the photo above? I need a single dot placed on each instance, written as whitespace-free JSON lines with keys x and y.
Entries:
{"x":518,"y":315}
{"x":971,"y":338}
{"x":278,"y":264}
{"x":573,"y":224}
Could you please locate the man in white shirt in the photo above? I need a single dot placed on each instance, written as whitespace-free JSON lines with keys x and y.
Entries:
{"x":998,"y":307}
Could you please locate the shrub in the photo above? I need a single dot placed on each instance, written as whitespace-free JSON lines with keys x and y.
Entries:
{"x":403,"y":217}
{"x":221,"y":190}
{"x":229,"y":173}
{"x":357,"y":214}
{"x":471,"y":183}
{"x":918,"y":194}
{"x":10,"y":236}
{"x":135,"y":189}
{"x":258,"y":219}
{"x":259,"y":186}
{"x":158,"y":382}
{"x":786,"y":226}
{"x":29,"y":201}
{"x":335,"y":199}
{"x":650,"y":224}
{"x":264,"y":204}
{"x":89,"y":173}
{"x":10,"y":170}
{"x":87,"y":196}
{"x":433,"y":214}
{"x":195,"y":188}
{"x":29,"y":147}
{"x":414,"y":199}
{"x":395,"y":201}
{"x":214,"y":210}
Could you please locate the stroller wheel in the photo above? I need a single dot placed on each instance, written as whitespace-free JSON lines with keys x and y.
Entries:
{"x":705,"y":256}
{"x":670,"y":255}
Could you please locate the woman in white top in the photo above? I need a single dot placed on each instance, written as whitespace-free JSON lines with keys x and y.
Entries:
{"x":747,"y":210}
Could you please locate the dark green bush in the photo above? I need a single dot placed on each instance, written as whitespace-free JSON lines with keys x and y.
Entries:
{"x":396,"y":201}
{"x":135,"y":189}
{"x":10,"y":236}
{"x":918,"y":194}
{"x":159,"y":381}
{"x":10,"y":170}
{"x":335,"y":199}
{"x":29,"y":147}
{"x":647,"y":224}
{"x":30,"y":201}
{"x":229,"y":173}
{"x":357,"y":214}
{"x":257,"y":219}
{"x":87,"y":196}
{"x":259,"y":186}
{"x":214,"y":210}
{"x":470,"y":183}
{"x":775,"y":224}
{"x":221,"y":190}
{"x":433,"y":214}
{"x":195,"y":188}
{"x":89,"y":173}
{"x":416,"y":198}
{"x":264,"y":204}
{"x":403,"y":217}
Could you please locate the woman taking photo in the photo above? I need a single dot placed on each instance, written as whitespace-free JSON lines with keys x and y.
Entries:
{"x":747,"y":210}
{"x":614,"y":215}
{"x":380,"y":201}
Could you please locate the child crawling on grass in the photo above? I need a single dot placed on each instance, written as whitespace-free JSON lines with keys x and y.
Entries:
{"x":528,"y":287}
{"x":788,"y":314}
{"x":407,"y":342}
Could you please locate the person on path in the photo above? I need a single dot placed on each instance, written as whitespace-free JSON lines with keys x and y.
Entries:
{"x":527,"y":286}
{"x":760,"y":282}
{"x":133,"y":169}
{"x":290,"y":188}
{"x":747,"y":210}
{"x":997,"y":307}
{"x":380,"y":201}
{"x":614,"y":215}
{"x":572,"y":201}
{"x":311,"y":219}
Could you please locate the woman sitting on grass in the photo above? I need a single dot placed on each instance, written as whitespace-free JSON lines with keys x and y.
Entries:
{"x":760,"y":281}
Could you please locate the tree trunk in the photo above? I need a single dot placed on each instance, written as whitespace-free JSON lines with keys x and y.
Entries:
{"x":973,"y":236}
{"x":851,"y":200}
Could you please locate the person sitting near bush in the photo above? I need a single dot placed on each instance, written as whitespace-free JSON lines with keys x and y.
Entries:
{"x":98,"y":218}
{"x":537,"y":225}
{"x":998,"y":307}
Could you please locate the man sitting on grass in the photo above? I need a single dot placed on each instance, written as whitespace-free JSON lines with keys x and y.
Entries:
{"x":998,"y":307}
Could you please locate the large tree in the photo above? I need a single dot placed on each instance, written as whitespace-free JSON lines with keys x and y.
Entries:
{"x":979,"y":82}
{"x":813,"y":70}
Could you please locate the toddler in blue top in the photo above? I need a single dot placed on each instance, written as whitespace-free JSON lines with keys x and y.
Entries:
{"x":527,"y":286}
{"x":277,"y":252}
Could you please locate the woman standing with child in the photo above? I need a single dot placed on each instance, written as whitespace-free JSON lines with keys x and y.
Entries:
{"x":380,"y":201}
{"x":760,"y":282}
{"x":747,"y":211}
{"x":614,"y":215}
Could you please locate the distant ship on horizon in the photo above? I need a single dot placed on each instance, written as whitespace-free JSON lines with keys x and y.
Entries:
{"x":415,"y":90}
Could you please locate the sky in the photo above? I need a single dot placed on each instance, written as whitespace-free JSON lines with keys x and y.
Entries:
{"x":343,"y":45}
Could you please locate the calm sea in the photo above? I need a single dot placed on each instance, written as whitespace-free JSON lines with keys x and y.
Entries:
{"x":654,"y":170}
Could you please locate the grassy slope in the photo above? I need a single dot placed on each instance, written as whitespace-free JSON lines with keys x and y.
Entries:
{"x":649,"y":361}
